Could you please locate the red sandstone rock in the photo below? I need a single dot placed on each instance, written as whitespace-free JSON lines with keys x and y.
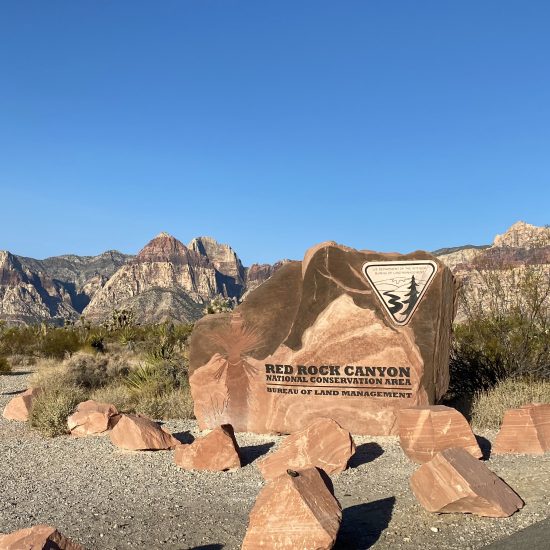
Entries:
{"x":323,"y":444}
{"x":293,"y":512}
{"x":320,"y":335}
{"x":425,"y":431}
{"x":139,"y":433}
{"x":524,"y":431}
{"x":454,"y":481}
{"x":216,"y":451}
{"x":39,"y":537}
{"x":91,"y":417}
{"x":19,"y":407}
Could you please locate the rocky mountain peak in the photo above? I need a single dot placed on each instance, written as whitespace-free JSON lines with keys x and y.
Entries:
{"x":164,"y":248}
{"x":523,"y":235}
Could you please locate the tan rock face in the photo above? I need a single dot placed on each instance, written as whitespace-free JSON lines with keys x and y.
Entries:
{"x":454,"y":481}
{"x":39,"y":537}
{"x":324,"y":335}
{"x":524,"y":431}
{"x":217,"y":451}
{"x":323,"y":444}
{"x":138,"y":433}
{"x":425,"y":431}
{"x":19,"y":407}
{"x":91,"y":417}
{"x":294,"y":512}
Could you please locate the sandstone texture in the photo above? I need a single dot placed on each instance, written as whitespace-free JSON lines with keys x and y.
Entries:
{"x":323,"y":444}
{"x":138,"y":433}
{"x":19,"y":406}
{"x":39,"y":537}
{"x":217,"y":451}
{"x":319,"y":336}
{"x":92,"y":417}
{"x":524,"y":431}
{"x":454,"y":481}
{"x":425,"y":431}
{"x":294,"y":511}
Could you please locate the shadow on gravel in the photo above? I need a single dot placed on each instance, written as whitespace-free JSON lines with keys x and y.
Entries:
{"x":18,"y":373}
{"x":15,"y":392}
{"x":365,"y":453}
{"x":253,"y":452}
{"x":485,"y":446}
{"x":184,"y":437}
{"x":363,"y":524}
{"x":208,"y":547}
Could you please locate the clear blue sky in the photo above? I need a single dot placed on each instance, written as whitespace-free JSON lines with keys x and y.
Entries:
{"x":271,"y":125}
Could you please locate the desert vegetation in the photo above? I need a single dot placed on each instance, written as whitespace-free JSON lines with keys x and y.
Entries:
{"x":501,"y":352}
{"x":138,"y":368}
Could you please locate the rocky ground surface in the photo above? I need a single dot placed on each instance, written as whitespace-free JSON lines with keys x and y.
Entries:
{"x":108,"y":499}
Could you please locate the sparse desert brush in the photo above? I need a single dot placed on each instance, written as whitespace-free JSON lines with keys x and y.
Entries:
{"x":5,"y":366}
{"x":51,"y":408}
{"x":489,"y":406}
{"x":60,"y":342}
{"x":116,"y":394}
{"x":169,"y":404}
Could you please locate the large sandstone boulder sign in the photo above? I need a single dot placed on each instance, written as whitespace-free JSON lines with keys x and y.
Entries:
{"x":524,"y":431}
{"x":294,"y":510}
{"x":92,"y":417}
{"x":39,"y":537}
{"x":357,"y":333}
{"x":135,"y":432}
{"x":454,"y":481}
{"x":218,"y":451}
{"x":323,"y":444}
{"x":19,"y":407}
{"x":425,"y":431}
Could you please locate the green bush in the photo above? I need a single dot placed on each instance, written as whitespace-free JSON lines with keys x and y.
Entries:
{"x":60,"y":342}
{"x":51,"y":408}
{"x":5,"y":366}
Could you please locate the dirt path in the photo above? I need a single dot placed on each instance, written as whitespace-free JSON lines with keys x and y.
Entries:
{"x":108,"y":499}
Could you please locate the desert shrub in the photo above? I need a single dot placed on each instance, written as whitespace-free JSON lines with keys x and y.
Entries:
{"x":50,"y":409}
{"x":220,"y":304}
{"x":489,"y":406}
{"x":117,"y":394}
{"x":172,"y":404}
{"x":21,"y":340}
{"x":91,"y":371}
{"x":5,"y":366}
{"x":58,"y":343}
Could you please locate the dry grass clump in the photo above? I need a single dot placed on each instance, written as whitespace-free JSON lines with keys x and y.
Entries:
{"x":489,"y":406}
{"x":5,"y":366}
{"x":51,"y":408}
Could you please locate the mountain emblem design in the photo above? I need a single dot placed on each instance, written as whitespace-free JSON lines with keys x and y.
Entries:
{"x":400,"y":285}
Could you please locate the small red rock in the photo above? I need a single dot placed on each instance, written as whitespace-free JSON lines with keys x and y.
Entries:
{"x":39,"y":537}
{"x":425,"y":431}
{"x":92,"y":417}
{"x":19,"y":407}
{"x":216,"y":451}
{"x":296,"y":510}
{"x":323,"y":444}
{"x":135,"y":432}
{"x":524,"y":431}
{"x":454,"y":481}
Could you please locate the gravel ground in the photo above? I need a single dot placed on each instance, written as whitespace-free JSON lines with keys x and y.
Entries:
{"x":105,"y":498}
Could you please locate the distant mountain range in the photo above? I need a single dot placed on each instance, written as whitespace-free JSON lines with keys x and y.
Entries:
{"x":168,"y":280}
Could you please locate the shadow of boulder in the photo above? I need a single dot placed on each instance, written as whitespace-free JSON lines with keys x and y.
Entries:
{"x":363,"y":524}
{"x":184,"y":437}
{"x":208,"y":547}
{"x":251,"y":453}
{"x":365,"y":453}
{"x":485,"y":446}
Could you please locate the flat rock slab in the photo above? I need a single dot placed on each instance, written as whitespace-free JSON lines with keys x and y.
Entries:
{"x":524,"y":431}
{"x":425,"y":431}
{"x":217,"y":451}
{"x":19,"y":407}
{"x":357,"y":333}
{"x":323,"y":444}
{"x":39,"y":537}
{"x":138,"y":433}
{"x":91,"y":418}
{"x":454,"y":481}
{"x":294,"y":510}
